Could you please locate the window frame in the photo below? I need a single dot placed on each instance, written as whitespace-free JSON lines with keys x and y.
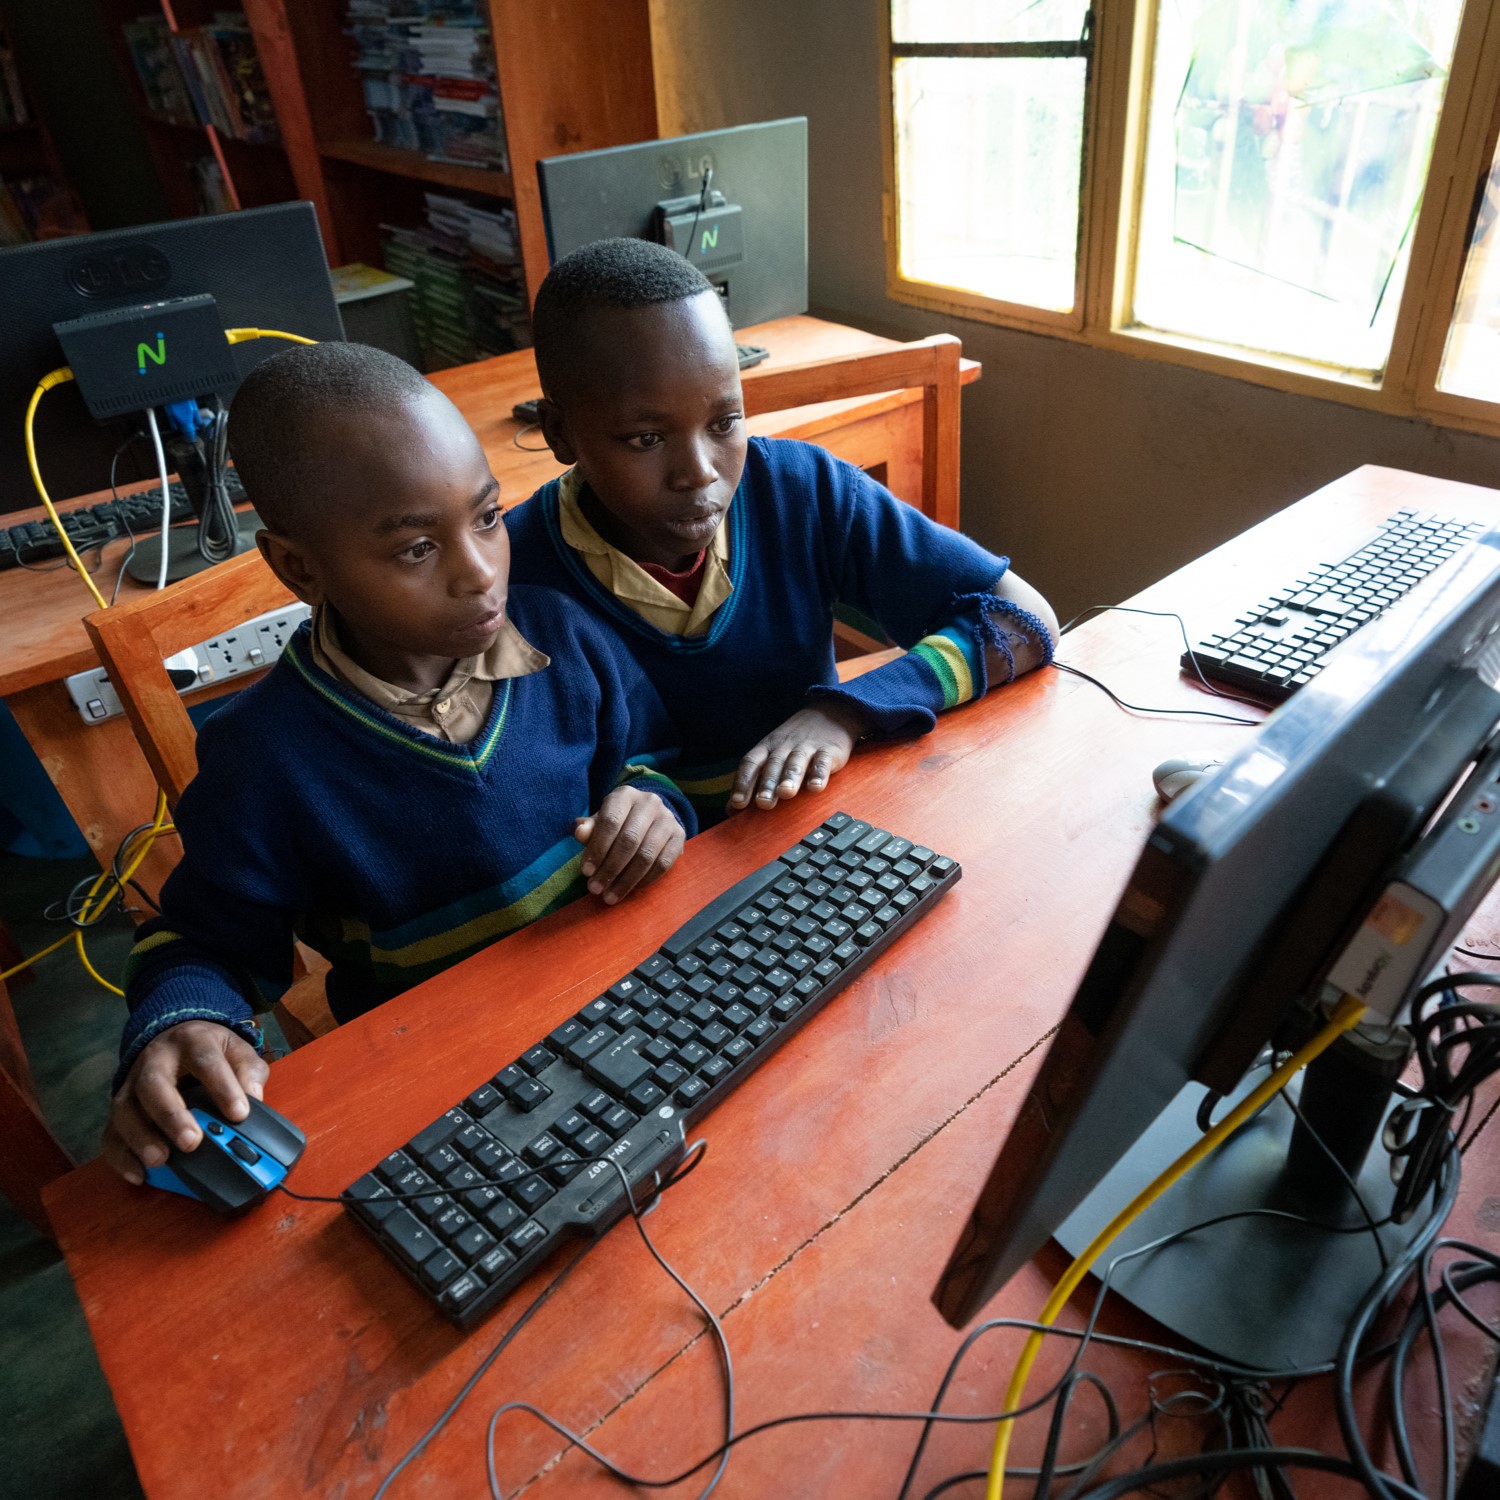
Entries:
{"x":1116,"y":103}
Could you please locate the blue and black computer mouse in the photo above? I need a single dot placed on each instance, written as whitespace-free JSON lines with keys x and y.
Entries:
{"x":234,"y":1166}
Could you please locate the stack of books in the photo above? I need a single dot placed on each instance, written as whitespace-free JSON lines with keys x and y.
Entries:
{"x":205,"y":75}
{"x":470,"y":300}
{"x":427,"y":68}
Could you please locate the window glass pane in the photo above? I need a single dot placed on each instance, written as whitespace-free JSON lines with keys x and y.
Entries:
{"x":988,"y":155}
{"x":1471,"y":364}
{"x":1287,"y":149}
{"x":987,"y":20}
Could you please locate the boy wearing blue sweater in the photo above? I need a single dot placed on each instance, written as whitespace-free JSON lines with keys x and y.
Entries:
{"x":413,"y":779}
{"x":720,"y":559}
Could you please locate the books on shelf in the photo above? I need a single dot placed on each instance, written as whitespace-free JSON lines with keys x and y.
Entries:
{"x":205,"y":75}
{"x":427,"y":68}
{"x":37,"y":207}
{"x":469,"y":300}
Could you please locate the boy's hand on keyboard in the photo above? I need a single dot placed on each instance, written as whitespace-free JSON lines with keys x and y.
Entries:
{"x":630,"y":841}
{"x":149,"y":1111}
{"x":805,"y":751}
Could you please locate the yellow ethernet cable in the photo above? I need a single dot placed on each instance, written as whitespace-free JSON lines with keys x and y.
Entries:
{"x":1345,"y":1016}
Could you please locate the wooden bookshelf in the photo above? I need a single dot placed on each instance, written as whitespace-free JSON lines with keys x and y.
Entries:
{"x":574,"y":75}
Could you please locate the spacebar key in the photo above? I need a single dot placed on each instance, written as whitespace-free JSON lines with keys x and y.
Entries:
{"x":721,"y":908}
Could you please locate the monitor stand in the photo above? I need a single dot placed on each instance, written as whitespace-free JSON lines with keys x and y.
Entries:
{"x":183,"y":557}
{"x":1260,"y":1291}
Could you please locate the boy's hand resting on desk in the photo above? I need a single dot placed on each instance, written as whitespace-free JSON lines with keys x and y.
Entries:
{"x":630,"y":841}
{"x":149,"y":1111}
{"x":806,"y":750}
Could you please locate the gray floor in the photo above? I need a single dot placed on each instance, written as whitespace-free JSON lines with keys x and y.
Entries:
{"x":59,"y":1434}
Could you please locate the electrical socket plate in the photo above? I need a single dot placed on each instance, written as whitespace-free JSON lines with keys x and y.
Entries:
{"x":247,"y":648}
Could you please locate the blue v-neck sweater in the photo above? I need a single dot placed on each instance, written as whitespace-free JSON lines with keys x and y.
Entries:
{"x":316,"y":814}
{"x":808,"y":533}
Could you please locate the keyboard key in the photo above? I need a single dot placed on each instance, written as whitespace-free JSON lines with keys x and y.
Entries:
{"x":568,"y":1127}
{"x":619,"y":1067}
{"x":562,"y":1036}
{"x":413,"y":1239}
{"x":529,"y":1093}
{"x":374,"y":1196}
{"x":593,"y":1142}
{"x":470,"y":1139}
{"x":581,"y":1048}
{"x":537,"y":1058}
{"x":669,"y":1075}
{"x":508,"y":1079}
{"x":596,"y":1010}
{"x":529,"y":1235}
{"x":461,"y":1176}
{"x":737,"y":1017}
{"x":532,"y":1193}
{"x":494,"y":1263}
{"x":778,"y":981}
{"x":394,"y":1165}
{"x":623,"y":1017}
{"x":693,"y":1054}
{"x":806,"y":988}
{"x":488,"y":1157}
{"x":479,"y":1200}
{"x":597,"y":1105}
{"x":441,"y":1160}
{"x":439,"y":1133}
{"x":787,"y":1006}
{"x":653,"y":967}
{"x":540,"y":1151}
{"x":485,"y":1098}
{"x":703,"y":1012}
{"x":645,"y":1095}
{"x":759,"y":1030}
{"x":656,"y":1021}
{"x":461,"y":1291}
{"x":658,"y":1050}
{"x":715,"y":1035}
{"x":738,"y":1049}
{"x":503,"y":1216}
{"x":758,"y":997}
{"x":472,"y":1242}
{"x":713,"y":1070}
{"x":438,"y":1270}
{"x":617,"y":1120}
{"x":691,"y":1091}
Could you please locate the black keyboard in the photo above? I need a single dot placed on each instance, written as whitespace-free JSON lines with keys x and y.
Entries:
{"x":750,"y":355}
{"x":1281,"y":645}
{"x":634,"y":1070}
{"x":94,"y":525}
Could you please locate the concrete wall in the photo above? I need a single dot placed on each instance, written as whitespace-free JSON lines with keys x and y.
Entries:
{"x":1098,"y":472}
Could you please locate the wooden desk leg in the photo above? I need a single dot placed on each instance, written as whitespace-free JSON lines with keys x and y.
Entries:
{"x":30,"y":1157}
{"x":98,"y":770}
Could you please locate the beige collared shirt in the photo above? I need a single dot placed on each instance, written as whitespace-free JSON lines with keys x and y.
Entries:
{"x":631,"y":584}
{"x":456,"y":711}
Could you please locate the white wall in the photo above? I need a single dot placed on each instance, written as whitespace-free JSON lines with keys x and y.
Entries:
{"x":1150,"y":463}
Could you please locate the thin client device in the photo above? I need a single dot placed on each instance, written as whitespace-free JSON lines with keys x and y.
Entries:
{"x":1347,"y":841}
{"x":140,"y":314}
{"x":734,"y":202}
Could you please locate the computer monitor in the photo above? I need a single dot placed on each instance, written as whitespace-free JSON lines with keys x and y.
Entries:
{"x":734,"y":202}
{"x":263,"y":267}
{"x":1246,"y":894}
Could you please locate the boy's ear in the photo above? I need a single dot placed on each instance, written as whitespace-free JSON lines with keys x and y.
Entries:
{"x":292,"y":565}
{"x":555,"y":430}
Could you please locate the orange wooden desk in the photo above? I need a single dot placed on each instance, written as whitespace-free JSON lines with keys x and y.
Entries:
{"x":98,"y":769}
{"x":281,"y":1354}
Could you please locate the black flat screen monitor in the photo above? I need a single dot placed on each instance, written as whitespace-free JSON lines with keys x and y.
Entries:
{"x":1247,"y":891}
{"x":733,"y":201}
{"x":264,"y":267}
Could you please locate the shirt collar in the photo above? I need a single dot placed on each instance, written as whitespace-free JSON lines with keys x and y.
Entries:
{"x":510,"y":654}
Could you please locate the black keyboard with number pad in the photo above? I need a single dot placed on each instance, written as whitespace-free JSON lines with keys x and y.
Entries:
{"x":518,"y":1166}
{"x":1280,"y":646}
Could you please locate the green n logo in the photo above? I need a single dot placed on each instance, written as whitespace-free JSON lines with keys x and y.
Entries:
{"x":709,"y":240}
{"x":157,"y":356}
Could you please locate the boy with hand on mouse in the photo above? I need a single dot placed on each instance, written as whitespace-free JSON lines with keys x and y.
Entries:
{"x":719,"y":559}
{"x":413,"y":779}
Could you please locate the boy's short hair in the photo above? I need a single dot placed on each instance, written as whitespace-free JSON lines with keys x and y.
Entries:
{"x":274,"y":420}
{"x":615,"y":273}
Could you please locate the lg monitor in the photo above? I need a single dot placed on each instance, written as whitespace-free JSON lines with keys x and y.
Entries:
{"x":1284,"y":880}
{"x":257,"y":268}
{"x":734,"y":202}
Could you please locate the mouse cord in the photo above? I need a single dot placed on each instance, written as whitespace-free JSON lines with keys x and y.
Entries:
{"x":1208,"y":687}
